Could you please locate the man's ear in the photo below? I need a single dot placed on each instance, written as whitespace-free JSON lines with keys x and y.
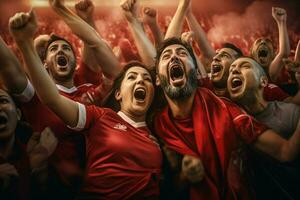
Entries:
{"x":157,"y":80}
{"x":263,"y":81}
{"x":118,"y":95}
{"x":19,"y":114}
{"x":45,"y":65}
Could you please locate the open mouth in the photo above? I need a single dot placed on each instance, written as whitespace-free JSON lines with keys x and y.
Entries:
{"x":140,"y":94}
{"x":3,"y":122}
{"x":176,"y":72}
{"x":262,"y":53}
{"x":62,"y":61}
{"x":216,"y":69}
{"x":236,"y":82}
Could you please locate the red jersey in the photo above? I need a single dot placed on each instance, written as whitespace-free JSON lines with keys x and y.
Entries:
{"x":123,"y":158}
{"x":216,"y":133}
{"x":274,"y":93}
{"x":68,"y":157}
{"x":84,"y":74}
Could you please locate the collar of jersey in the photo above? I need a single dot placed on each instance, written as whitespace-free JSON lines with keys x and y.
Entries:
{"x":66,"y":90}
{"x":130,"y":121}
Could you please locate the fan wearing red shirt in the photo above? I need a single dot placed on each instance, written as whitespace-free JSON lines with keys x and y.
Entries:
{"x":123,"y":158}
{"x":198,"y":123}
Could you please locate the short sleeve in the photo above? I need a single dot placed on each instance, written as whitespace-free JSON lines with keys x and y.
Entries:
{"x":246,"y":126}
{"x":274,"y":93}
{"x":27,"y":94}
{"x":87,"y":116}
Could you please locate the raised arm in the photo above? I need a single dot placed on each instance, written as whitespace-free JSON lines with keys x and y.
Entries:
{"x":150,"y":18}
{"x":200,"y":36}
{"x":11,"y":72}
{"x":23,"y":27}
{"x":283,"y":150}
{"x":104,"y":54}
{"x":188,"y":37}
{"x":85,"y":10}
{"x":175,"y":27}
{"x":280,"y":16}
{"x":144,"y":45}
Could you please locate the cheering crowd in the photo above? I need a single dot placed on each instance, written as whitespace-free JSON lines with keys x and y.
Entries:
{"x":146,"y":118}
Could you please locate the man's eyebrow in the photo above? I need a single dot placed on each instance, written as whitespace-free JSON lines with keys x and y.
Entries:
{"x":167,"y":51}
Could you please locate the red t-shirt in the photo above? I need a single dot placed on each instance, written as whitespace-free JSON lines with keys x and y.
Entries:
{"x":123,"y":158}
{"x":68,"y":158}
{"x":274,"y":93}
{"x":84,"y":74}
{"x":220,"y":129}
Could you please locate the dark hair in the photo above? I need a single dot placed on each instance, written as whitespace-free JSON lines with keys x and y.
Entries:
{"x":52,"y":39}
{"x":235,"y":48}
{"x":171,"y":41}
{"x":111,"y":101}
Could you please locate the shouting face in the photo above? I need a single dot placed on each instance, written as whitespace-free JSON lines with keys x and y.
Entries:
{"x":245,"y":79}
{"x":136,"y":92}
{"x":9,"y":116}
{"x":263,"y":52}
{"x":60,"y":60}
{"x":220,"y":66}
{"x":176,"y":72}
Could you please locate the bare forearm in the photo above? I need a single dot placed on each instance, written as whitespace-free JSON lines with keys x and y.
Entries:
{"x":79,"y":27}
{"x":291,"y":148}
{"x":200,"y":36}
{"x":157,"y":33}
{"x":297,"y":53}
{"x":11,"y":72}
{"x":43,"y":84}
{"x":143,"y":43}
{"x":284,"y":51}
{"x":175,"y":27}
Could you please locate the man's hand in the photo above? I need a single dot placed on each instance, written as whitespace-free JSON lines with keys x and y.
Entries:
{"x":173,"y":158}
{"x":8,"y":173}
{"x":23,"y":26}
{"x":188,"y":37}
{"x":279,"y":14}
{"x":85,"y":9}
{"x":149,"y":16}
{"x":40,"y":147}
{"x":130,"y":9}
{"x":192,"y":168}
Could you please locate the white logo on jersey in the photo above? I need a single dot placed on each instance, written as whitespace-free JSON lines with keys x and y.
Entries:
{"x":120,"y":127}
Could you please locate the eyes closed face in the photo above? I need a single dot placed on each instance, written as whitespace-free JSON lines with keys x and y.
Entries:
{"x":175,"y":63}
{"x":136,"y":91}
{"x":60,"y":59}
{"x":220,"y":65}
{"x":9,"y":115}
{"x":242,"y":78}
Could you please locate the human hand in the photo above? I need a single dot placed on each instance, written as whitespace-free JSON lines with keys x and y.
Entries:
{"x":85,"y":9}
{"x":192,"y":167}
{"x":23,"y":26}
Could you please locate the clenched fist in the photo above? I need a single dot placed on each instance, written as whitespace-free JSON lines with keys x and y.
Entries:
{"x":23,"y":26}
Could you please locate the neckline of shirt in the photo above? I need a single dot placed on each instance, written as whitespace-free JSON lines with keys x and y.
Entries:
{"x":65,"y":89}
{"x":130,"y":121}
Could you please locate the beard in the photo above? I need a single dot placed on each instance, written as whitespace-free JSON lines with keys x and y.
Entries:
{"x":182,"y":93}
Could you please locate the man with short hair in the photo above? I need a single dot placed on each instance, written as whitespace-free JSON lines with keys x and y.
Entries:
{"x":196,"y":122}
{"x":246,"y":83}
